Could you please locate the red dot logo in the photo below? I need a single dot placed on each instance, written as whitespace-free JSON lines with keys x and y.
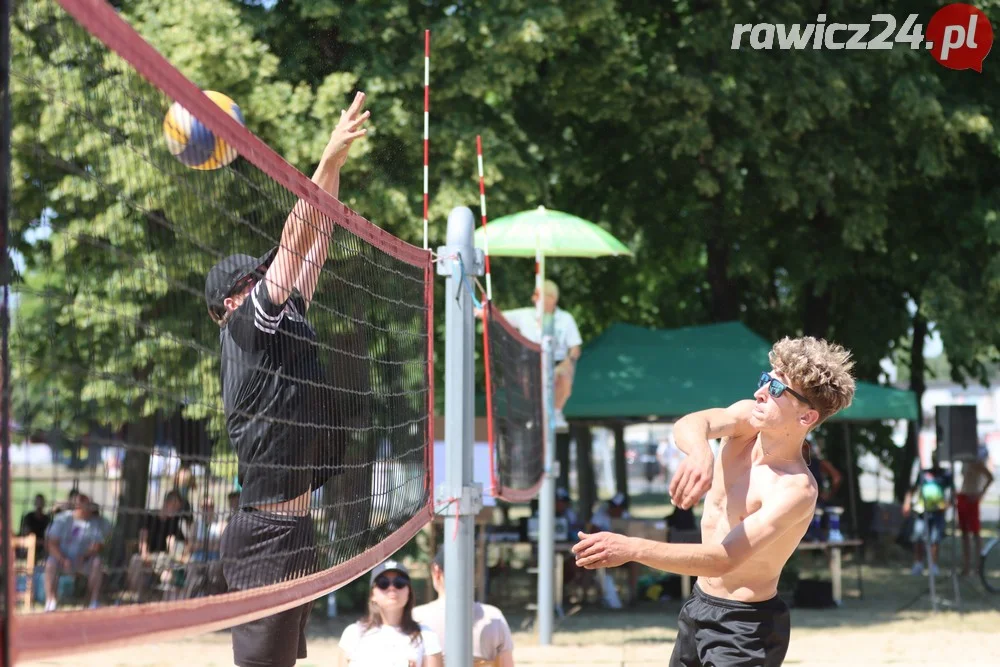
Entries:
{"x":959,"y":36}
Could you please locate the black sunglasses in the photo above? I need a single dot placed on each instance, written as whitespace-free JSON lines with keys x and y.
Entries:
{"x":399,"y":582}
{"x":777,"y":388}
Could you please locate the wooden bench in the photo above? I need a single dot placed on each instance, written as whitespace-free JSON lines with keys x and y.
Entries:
{"x":25,"y":566}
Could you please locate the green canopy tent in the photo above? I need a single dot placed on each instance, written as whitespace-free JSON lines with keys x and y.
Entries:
{"x":633,"y":374}
{"x":629,"y":373}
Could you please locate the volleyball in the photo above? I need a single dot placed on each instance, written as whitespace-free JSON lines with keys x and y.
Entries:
{"x":193,"y":143}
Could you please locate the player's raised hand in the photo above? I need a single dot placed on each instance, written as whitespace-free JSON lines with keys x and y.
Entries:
{"x":349,"y":128}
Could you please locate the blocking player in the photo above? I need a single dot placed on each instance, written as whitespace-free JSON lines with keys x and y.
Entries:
{"x":281,"y":413}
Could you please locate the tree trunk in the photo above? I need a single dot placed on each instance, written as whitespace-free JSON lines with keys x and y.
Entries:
{"x":585,"y":478}
{"x":562,"y":456}
{"x":621,"y":467}
{"x":904,"y":463}
{"x":816,"y":318}
{"x":723,"y":306}
{"x":139,"y":439}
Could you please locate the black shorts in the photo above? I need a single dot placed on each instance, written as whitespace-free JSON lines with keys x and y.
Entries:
{"x":716,"y":632}
{"x":259,"y":549}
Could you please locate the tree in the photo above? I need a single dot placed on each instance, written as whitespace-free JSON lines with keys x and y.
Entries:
{"x":802,"y":192}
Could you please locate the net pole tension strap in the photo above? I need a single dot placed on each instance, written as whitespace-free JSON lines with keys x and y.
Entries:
{"x":460,"y":496}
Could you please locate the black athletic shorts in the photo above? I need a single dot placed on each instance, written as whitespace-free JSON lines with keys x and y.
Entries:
{"x":259,"y":549}
{"x":714,"y":632}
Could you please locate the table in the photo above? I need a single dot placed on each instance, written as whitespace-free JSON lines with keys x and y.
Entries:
{"x":833,"y":550}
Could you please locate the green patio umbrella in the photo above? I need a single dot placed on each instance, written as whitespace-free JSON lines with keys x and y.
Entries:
{"x":559,"y":235}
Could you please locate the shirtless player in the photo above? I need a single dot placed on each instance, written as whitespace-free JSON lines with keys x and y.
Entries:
{"x":760,"y":502}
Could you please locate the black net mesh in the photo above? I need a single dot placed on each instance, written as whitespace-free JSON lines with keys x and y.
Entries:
{"x":514,"y":399}
{"x":129,"y":402}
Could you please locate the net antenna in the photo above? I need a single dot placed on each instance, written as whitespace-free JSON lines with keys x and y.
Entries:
{"x":513,"y":369}
{"x":427,"y":115}
{"x":482,"y":208}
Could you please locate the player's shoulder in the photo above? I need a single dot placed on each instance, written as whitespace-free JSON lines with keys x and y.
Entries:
{"x":797,"y":489}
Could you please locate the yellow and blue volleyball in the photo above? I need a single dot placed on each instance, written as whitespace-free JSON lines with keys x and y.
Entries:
{"x":193,"y":143}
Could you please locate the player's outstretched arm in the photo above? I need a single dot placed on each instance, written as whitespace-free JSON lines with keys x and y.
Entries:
{"x":791,"y":503}
{"x":305,"y":239}
{"x":691,"y":434}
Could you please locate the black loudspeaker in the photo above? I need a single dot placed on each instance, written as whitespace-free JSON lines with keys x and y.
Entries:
{"x":957,"y":437}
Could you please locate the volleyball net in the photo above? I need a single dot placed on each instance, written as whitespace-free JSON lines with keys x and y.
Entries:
{"x":514,"y":408}
{"x":127,"y":185}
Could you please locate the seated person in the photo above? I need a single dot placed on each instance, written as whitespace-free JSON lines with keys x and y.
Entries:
{"x":36,"y":522}
{"x":158,"y":540}
{"x":203,"y":575}
{"x":827,"y":477}
{"x":566,"y":344}
{"x":492,"y":643}
{"x":74,"y":544}
{"x":68,"y":505}
{"x":616,"y":508}
{"x":564,"y":509}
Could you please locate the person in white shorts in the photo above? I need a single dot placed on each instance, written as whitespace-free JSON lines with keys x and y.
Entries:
{"x":492,"y":643}
{"x":388,"y":636}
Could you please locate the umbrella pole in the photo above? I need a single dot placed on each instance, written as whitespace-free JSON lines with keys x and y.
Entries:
{"x":547,"y":496}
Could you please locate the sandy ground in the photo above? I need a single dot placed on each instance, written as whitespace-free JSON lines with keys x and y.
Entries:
{"x":852,"y":636}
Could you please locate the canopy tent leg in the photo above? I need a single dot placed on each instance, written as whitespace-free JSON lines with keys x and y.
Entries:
{"x":851,"y":490}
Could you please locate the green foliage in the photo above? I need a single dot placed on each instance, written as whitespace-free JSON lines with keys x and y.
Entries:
{"x":817,"y":192}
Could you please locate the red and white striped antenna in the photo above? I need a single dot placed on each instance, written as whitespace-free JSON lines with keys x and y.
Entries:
{"x":482,"y":208}
{"x":427,"y":110}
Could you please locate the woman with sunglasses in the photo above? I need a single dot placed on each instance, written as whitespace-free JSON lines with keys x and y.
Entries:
{"x":388,"y":636}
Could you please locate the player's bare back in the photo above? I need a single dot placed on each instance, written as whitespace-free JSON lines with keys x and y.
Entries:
{"x":741,"y":484}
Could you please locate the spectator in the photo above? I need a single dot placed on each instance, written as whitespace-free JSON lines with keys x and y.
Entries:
{"x":616,"y":508}
{"x":976,"y":479}
{"x":928,"y":501}
{"x":67,"y":506}
{"x":827,"y":477}
{"x":564,"y":509}
{"x":234,"y":503}
{"x":158,"y":540}
{"x":204,"y":574}
{"x":388,"y":636}
{"x":185,"y":485}
{"x":491,"y":639}
{"x":566,"y":343}
{"x":36,"y":522}
{"x":74,"y":545}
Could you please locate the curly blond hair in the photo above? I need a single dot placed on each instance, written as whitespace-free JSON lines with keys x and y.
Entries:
{"x":819,"y":370}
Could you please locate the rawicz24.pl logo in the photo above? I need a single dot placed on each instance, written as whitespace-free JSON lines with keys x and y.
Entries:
{"x":958,"y":35}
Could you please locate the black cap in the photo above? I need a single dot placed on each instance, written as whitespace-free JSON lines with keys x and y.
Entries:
{"x":387,"y":566}
{"x":226,"y":276}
